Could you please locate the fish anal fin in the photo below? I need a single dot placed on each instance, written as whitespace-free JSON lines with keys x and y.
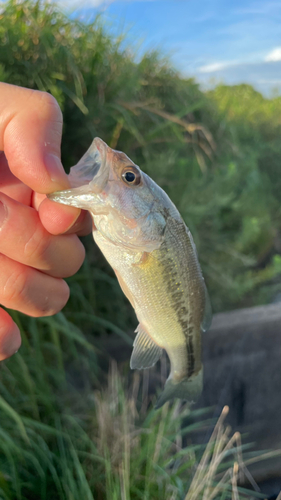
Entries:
{"x":146,"y":352}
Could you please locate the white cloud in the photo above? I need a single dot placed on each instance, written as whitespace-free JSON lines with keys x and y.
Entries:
{"x":274,"y":55}
{"x":251,"y":59}
{"x":264,"y":76}
{"x":213,"y":67}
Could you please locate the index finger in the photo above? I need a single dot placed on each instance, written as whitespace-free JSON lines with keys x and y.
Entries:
{"x":30,"y":136}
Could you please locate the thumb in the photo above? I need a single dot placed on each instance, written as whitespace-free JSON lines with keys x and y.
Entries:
{"x":30,"y":136}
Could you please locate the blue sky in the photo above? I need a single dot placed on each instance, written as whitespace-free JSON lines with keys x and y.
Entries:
{"x":212,"y":40}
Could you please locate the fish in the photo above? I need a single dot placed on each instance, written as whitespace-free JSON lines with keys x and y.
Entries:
{"x":143,"y":237}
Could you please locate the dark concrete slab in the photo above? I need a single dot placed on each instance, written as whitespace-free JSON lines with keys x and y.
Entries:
{"x":242,"y":369}
{"x":242,"y":359}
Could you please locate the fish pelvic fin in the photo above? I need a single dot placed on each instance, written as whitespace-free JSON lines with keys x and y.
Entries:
{"x":146,"y":352}
{"x":188,"y":389}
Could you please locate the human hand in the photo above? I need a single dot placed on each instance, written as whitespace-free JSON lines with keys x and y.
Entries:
{"x":38,"y":238}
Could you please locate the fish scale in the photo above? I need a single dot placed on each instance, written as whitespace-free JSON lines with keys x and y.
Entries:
{"x":141,"y":234}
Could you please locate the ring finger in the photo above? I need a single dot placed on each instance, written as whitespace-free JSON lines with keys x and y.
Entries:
{"x":30,"y":291}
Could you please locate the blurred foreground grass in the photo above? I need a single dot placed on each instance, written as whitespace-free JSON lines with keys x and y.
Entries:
{"x":70,"y":432}
{"x":63,"y":436}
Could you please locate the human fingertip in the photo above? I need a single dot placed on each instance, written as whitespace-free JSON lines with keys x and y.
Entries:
{"x":10,"y":339}
{"x":62,"y":298}
{"x":74,"y":256}
{"x":56,"y":218}
{"x":74,"y":215}
{"x":82,"y":225}
{"x":3,"y":212}
{"x":56,"y":171}
{"x":54,"y":302}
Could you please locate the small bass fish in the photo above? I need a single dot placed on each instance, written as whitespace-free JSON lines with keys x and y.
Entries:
{"x":143,"y":237}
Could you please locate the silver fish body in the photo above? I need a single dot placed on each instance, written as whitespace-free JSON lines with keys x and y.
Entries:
{"x":145,"y":240}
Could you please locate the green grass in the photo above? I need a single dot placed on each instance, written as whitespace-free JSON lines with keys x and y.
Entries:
{"x":66,"y":435}
{"x":217,"y":154}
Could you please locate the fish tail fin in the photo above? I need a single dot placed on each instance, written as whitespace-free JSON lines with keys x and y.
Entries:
{"x":188,"y":389}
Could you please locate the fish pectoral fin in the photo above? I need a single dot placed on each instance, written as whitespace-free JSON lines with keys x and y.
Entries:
{"x":146,"y":352}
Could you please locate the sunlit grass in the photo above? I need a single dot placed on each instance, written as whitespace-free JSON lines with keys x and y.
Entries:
{"x":216,"y":154}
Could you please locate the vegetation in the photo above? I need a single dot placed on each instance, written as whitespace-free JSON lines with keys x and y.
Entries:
{"x":61,"y":440}
{"x":217,"y":154}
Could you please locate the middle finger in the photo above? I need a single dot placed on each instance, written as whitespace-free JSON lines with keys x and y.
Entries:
{"x":25,"y":240}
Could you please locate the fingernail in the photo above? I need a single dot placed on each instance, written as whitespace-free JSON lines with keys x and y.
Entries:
{"x":55,"y":168}
{"x":74,"y":220}
{"x":3,"y":213}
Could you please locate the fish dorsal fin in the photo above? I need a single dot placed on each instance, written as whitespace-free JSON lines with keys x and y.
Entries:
{"x":146,"y":352}
{"x":207,"y":318}
{"x":88,"y":167}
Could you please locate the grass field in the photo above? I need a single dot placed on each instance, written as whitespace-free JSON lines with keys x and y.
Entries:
{"x":68,"y":429}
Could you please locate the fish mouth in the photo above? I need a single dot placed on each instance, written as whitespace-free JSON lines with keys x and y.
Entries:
{"x":87,"y":179}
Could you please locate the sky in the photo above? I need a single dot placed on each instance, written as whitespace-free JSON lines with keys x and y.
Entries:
{"x":212,"y":40}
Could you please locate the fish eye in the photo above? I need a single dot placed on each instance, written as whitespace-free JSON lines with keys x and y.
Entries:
{"x":131,"y":175}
